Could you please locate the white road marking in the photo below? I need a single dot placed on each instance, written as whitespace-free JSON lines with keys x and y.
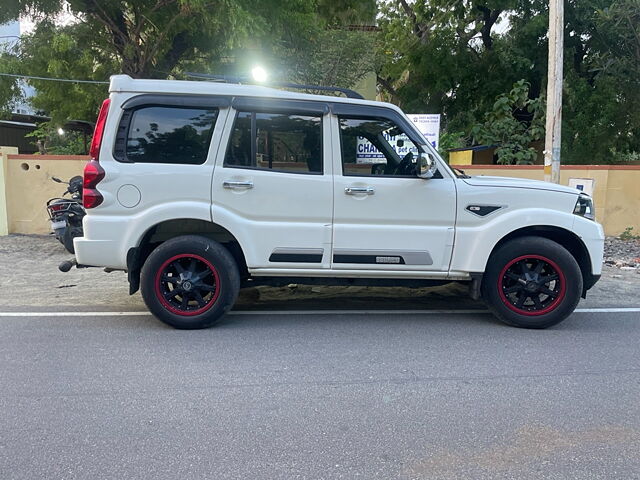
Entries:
{"x":608,"y":310}
{"x":302,"y":312}
{"x":74,"y":314}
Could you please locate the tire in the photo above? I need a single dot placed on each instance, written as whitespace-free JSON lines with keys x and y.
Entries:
{"x":203,"y":274}
{"x":67,"y":237}
{"x":529,"y":268}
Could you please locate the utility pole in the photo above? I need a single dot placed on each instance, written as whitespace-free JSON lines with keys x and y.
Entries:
{"x":554,"y":92}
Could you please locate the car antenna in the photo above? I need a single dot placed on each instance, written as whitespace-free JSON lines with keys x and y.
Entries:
{"x":246,"y":80}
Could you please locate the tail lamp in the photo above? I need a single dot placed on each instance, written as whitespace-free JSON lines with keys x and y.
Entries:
{"x":93,"y":172}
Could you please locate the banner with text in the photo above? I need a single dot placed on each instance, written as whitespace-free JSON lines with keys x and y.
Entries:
{"x":428,"y":125}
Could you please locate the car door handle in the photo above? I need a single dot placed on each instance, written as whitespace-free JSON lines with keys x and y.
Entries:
{"x":359,"y":190}
{"x":233,"y":185}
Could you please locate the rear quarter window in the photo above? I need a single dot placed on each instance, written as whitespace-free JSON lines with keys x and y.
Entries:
{"x":158,"y":134}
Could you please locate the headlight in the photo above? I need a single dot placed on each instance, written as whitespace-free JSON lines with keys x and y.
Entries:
{"x":584,"y":207}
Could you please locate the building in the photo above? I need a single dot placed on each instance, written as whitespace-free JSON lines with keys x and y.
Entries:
{"x":10,"y":38}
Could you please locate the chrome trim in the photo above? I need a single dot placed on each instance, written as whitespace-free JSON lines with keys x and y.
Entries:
{"x":359,"y":190}
{"x":232,"y":185}
{"x":471,"y":209}
{"x":357,"y":273}
{"x":410,"y":257}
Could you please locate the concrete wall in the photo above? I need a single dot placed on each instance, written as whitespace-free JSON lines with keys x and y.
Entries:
{"x":616,"y":189}
{"x":461,"y":157}
{"x":28,"y":186}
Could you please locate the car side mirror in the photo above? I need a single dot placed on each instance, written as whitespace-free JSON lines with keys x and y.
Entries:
{"x":426,"y":166}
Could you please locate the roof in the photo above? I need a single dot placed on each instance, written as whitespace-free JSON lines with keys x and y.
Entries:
{"x":124,"y":83}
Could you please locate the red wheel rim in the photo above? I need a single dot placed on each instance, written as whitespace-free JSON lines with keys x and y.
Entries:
{"x":187,"y":284}
{"x":532,"y":285}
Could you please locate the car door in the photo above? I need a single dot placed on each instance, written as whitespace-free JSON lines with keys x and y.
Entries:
{"x":272,"y":187}
{"x":385,"y":217}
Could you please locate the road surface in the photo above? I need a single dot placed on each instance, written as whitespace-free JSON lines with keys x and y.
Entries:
{"x":269,"y":395}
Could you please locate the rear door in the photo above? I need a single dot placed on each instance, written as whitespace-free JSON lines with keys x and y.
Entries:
{"x":273,"y":184}
{"x":162,"y":168}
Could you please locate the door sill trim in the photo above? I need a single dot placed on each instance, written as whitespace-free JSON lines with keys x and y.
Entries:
{"x":312,"y":272}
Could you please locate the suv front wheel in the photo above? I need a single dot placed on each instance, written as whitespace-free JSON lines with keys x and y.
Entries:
{"x":190,"y":282}
{"x":532,"y":282}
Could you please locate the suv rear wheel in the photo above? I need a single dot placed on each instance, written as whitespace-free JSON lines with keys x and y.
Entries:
{"x":532,"y":282}
{"x":190,"y":282}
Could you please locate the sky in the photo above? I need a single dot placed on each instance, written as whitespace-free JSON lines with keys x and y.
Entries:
{"x":27,"y":24}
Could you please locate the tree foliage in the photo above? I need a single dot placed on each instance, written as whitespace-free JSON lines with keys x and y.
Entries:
{"x":146,"y":38}
{"x":442,"y":56}
{"x":166,"y":38}
{"x":514,"y":123}
{"x":50,"y":140}
{"x":456,"y":58}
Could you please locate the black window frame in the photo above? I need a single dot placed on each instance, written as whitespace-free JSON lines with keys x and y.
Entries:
{"x":139,"y":102}
{"x":356,"y":110}
{"x":283,"y":107}
{"x":372,"y":117}
{"x":366,"y":111}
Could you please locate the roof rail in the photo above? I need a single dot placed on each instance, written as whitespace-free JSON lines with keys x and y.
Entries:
{"x":237,"y":79}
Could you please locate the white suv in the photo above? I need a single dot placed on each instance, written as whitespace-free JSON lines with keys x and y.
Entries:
{"x":196,"y":188}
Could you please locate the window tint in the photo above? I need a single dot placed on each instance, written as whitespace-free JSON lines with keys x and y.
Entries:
{"x":170,"y":135}
{"x":376,"y":146}
{"x":274,"y":141}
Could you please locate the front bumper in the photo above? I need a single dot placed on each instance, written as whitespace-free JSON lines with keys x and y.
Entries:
{"x":592,"y":235}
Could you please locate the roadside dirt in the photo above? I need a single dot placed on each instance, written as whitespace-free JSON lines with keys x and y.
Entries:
{"x":29,"y":278}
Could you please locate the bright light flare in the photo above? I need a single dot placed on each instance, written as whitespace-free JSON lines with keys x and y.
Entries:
{"x":259,"y":74}
{"x":60,"y":131}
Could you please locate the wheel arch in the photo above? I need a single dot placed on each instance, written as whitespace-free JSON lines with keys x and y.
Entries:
{"x":568,"y":239}
{"x":168,"y":229}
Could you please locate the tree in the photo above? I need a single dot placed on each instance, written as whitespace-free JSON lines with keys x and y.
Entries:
{"x":166,"y":38}
{"x":60,"y":52}
{"x":603,"y":89}
{"x":139,"y":38}
{"x":330,"y":57}
{"x":148,"y":38}
{"x":514,"y":123}
{"x":450,"y":57}
{"x":441,"y":56}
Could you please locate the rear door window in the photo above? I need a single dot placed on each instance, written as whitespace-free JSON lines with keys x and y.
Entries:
{"x":278,"y":142}
{"x":159,"y":134}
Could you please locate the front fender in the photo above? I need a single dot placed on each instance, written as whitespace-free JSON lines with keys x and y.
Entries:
{"x":475,"y":242}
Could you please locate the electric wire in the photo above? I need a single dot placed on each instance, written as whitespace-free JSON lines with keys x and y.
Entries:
{"x":69,"y":80}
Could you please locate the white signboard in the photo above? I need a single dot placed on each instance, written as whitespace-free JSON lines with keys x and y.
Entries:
{"x":428,"y":125}
{"x":583,"y":184}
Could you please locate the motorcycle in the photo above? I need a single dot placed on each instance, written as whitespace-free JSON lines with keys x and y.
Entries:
{"x":66,"y":214}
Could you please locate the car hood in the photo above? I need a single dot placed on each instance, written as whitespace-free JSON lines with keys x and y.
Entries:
{"x":489,"y":181}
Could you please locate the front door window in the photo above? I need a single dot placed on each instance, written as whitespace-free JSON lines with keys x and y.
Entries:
{"x":376,"y":146}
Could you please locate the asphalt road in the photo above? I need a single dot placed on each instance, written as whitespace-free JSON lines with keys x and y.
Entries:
{"x":320,"y":396}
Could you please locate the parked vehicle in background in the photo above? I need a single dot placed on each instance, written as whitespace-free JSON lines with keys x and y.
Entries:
{"x":197,"y":188}
{"x":66,"y":214}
